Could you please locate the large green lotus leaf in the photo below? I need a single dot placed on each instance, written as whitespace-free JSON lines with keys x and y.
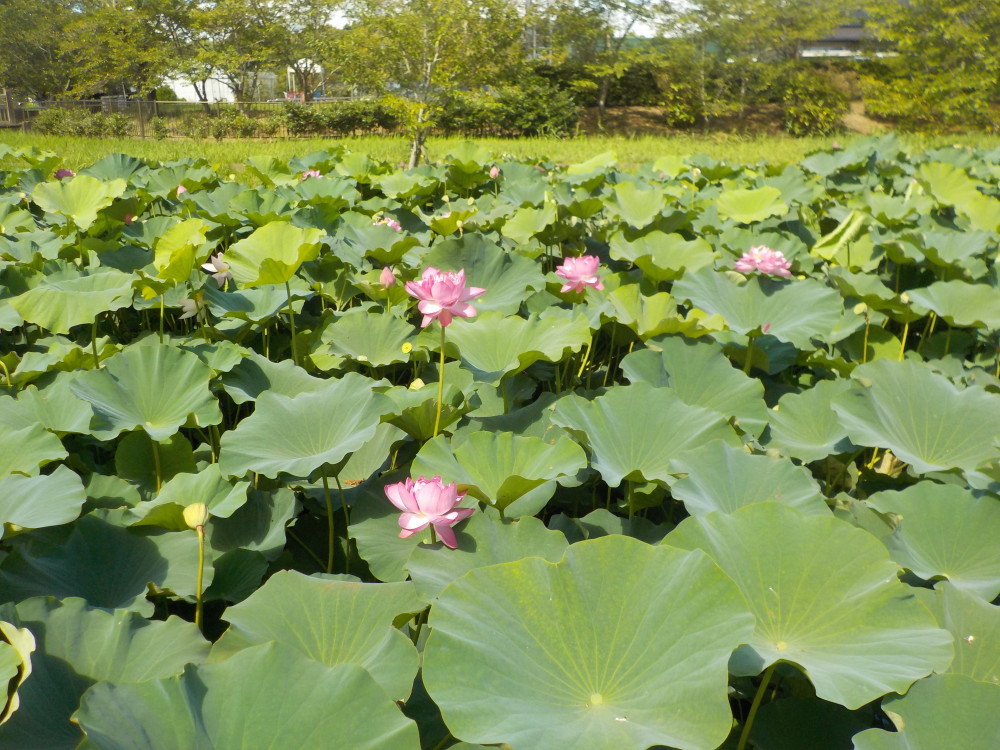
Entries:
{"x":920,"y":416}
{"x":137,"y":459}
{"x":79,"y":645}
{"x":359,"y":234}
{"x":79,"y":198}
{"x":944,"y":531}
{"x":370,"y":336}
{"x":272,"y":254}
{"x":826,"y":598}
{"x":961,"y":304}
{"x":725,"y":478}
{"x":175,"y":249}
{"x":71,"y":297}
{"x":256,"y":374}
{"x":602,"y":522}
{"x":44,"y":500}
{"x":527,"y":221}
{"x":26,"y":450}
{"x":54,"y":407}
{"x":257,"y":526}
{"x":16,"y":647}
{"x":499,"y":467}
{"x":749,"y":205}
{"x":943,"y":711}
{"x":482,"y":541}
{"x":975,"y":626}
{"x":624,"y":429}
{"x":106,"y":564}
{"x":221,"y":496}
{"x":264,"y":697}
{"x":154,"y":387}
{"x":699,"y":372}
{"x":619,"y":645}
{"x":508,"y":278}
{"x":634,"y":205}
{"x":805,"y":426}
{"x":272,"y":171}
{"x":653,"y":315}
{"x":662,"y":256}
{"x":415,"y":410}
{"x":332,"y":622}
{"x":299,"y":435}
{"x":794,"y":311}
{"x":951,"y":186}
{"x":117,"y":167}
{"x":496,"y":346}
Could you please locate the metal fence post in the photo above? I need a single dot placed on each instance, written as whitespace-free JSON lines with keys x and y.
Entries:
{"x":142,"y":124}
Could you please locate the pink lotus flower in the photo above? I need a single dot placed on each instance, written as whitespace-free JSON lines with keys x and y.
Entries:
{"x":192,"y":307}
{"x":389,"y":222}
{"x":494,"y":172}
{"x":181,"y":190}
{"x":765,"y":260}
{"x":61,"y":173}
{"x":580,"y":272}
{"x":311,"y":173}
{"x":218,"y":268}
{"x":387,"y":278}
{"x":428,"y":502}
{"x":129,"y":219}
{"x":443,"y":295}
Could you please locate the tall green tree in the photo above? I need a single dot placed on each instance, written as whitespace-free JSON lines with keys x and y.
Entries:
{"x":946,"y":67}
{"x":32,"y":64}
{"x":425,"y":49}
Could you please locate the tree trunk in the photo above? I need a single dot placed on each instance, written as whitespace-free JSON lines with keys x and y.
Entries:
{"x":419,"y":138}
{"x":602,"y":100}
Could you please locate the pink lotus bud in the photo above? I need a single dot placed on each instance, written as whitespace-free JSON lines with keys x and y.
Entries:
{"x":129,"y":218}
{"x":181,"y":190}
{"x":387,"y":278}
{"x":443,"y":295}
{"x":494,"y":172}
{"x":61,"y":173}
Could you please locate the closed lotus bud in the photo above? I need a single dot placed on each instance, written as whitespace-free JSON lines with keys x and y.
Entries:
{"x":494,"y":172}
{"x":195,"y":515}
{"x":387,"y":278}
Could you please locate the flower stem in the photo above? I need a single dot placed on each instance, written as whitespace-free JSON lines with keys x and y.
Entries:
{"x":201,"y":573}
{"x":162,"y":316}
{"x":755,"y":705}
{"x":434,"y":537}
{"x":329,"y":525}
{"x":93,"y":345}
{"x":437,"y":417}
{"x":748,"y":364}
{"x":347,"y":525}
{"x":156,"y":464}
{"x":864,"y":350}
{"x":291,"y":322}
{"x":902,"y":344}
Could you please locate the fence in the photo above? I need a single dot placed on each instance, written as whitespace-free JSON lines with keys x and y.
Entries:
{"x":124,"y":118}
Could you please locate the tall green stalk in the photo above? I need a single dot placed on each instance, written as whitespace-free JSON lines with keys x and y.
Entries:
{"x":329,"y":525}
{"x":745,"y":734}
{"x":198,"y":607}
{"x":437,"y":416}
{"x":291,"y":323}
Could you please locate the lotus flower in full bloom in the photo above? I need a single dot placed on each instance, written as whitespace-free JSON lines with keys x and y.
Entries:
{"x":218,"y":268}
{"x":61,"y":173}
{"x":765,"y":260}
{"x":580,"y":272}
{"x":389,"y":222}
{"x":193,"y":307}
{"x":443,"y":295}
{"x":311,"y":173}
{"x":428,"y":502}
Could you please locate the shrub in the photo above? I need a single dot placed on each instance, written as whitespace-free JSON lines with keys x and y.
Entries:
{"x":158,"y":128}
{"x":302,"y":119}
{"x":534,"y":108}
{"x":812,"y":104}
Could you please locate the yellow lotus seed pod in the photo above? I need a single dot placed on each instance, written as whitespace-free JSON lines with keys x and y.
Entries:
{"x":195,"y":515}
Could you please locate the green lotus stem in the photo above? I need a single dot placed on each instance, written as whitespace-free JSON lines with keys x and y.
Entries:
{"x":506,"y":398}
{"x":586,"y":357}
{"x":611,"y":354}
{"x":755,"y":705}
{"x":156,"y":463}
{"x":947,"y":341}
{"x":434,"y":537}
{"x":347,"y":526}
{"x":6,"y":374}
{"x":291,"y":322}
{"x":295,"y":537}
{"x":201,"y":574}
{"x":749,"y":360}
{"x":216,"y":442}
{"x":329,"y":525}
{"x":902,"y":344}
{"x":437,"y":417}
{"x":93,"y":345}
{"x":162,"y":316}
{"x":864,"y":350}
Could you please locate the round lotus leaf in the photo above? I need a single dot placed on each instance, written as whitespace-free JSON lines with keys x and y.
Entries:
{"x":72,"y":297}
{"x":79,"y":198}
{"x":725,"y":478}
{"x":699,"y":372}
{"x":943,"y":711}
{"x":256,"y":374}
{"x":136,"y":461}
{"x":16,"y":647}
{"x":826,"y":598}
{"x":805,"y":426}
{"x":370,"y":337}
{"x":945,"y":531}
{"x":272,"y":254}
{"x":975,"y":626}
{"x":961,"y":304}
{"x":299,"y":435}
{"x":157,"y":388}
{"x":662,"y":256}
{"x":497,"y":346}
{"x":920,"y":416}
{"x":220,"y":496}
{"x":795,"y":311}
{"x":44,"y":500}
{"x":26,"y":450}
{"x":78,"y":645}
{"x":264,"y":697}
{"x":55,"y":407}
{"x":618,"y":645}
{"x":636,"y":206}
{"x":484,"y":541}
{"x":175,"y":249}
{"x":499,"y":467}
{"x":624,"y":429}
{"x":332,"y":622}
{"x":747,"y":205}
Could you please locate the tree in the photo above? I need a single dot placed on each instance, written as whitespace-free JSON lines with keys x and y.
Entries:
{"x":424,"y":49}
{"x":32,"y":63}
{"x":303,"y":40}
{"x":946,"y":67}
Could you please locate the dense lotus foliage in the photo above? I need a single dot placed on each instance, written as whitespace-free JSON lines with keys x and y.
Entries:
{"x":688,"y":493}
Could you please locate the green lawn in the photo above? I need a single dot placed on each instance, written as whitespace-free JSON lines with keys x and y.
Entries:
{"x":80,"y":152}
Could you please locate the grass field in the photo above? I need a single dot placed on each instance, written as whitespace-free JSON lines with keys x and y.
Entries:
{"x":80,"y":152}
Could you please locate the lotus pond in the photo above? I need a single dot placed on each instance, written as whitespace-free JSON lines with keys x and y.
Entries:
{"x":496,"y":453}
